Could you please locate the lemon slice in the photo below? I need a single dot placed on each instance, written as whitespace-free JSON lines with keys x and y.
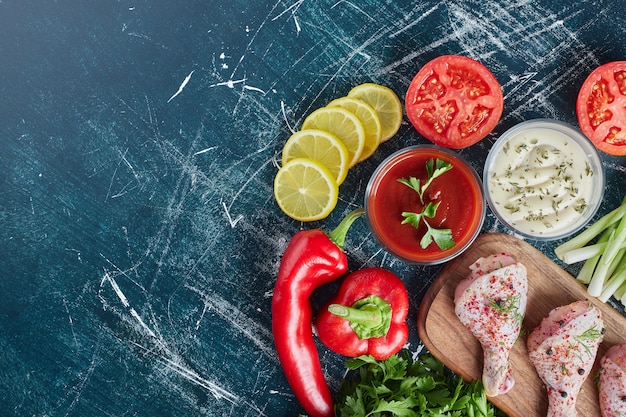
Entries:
{"x":386,"y":103}
{"x":341,"y":123}
{"x":369,"y":119}
{"x":305,"y":190}
{"x":322,"y":146}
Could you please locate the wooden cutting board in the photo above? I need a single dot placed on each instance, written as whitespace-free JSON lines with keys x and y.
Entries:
{"x":549,"y":286}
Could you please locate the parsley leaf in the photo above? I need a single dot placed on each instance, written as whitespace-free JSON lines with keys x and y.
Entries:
{"x":413,"y":219}
{"x":404,"y":386}
{"x":442,"y":237}
{"x":414,"y":183}
{"x":439,"y":168}
{"x":434,"y":168}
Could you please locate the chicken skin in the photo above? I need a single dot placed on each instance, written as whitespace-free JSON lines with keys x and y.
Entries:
{"x":491,"y":303}
{"x":563,"y":349}
{"x":612,"y":382}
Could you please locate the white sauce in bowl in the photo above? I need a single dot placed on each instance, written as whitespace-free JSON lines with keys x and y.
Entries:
{"x":541,"y":181}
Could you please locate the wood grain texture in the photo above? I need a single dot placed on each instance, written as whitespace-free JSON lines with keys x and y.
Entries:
{"x":549,"y":286}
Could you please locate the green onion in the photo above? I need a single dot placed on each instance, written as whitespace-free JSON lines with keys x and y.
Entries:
{"x":607,"y":259}
{"x":592,"y":231}
{"x":586,"y":272}
{"x":604,"y":268}
{"x":618,"y":277}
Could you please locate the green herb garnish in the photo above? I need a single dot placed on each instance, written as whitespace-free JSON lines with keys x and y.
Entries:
{"x":589,"y":335}
{"x":434,"y":168}
{"x":442,"y":237}
{"x":403,"y":386}
{"x":509,"y":307}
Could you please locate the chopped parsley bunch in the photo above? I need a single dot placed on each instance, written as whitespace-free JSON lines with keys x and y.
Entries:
{"x":403,"y":386}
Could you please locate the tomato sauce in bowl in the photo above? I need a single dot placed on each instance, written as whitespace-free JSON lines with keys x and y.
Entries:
{"x":458,"y":191}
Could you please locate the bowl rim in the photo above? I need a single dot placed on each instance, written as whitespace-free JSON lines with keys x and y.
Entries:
{"x":590,"y":151}
{"x":479,"y":189}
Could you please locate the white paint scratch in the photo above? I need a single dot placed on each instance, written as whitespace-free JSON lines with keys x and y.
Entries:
{"x":166,"y":356}
{"x":107,"y":278}
{"x":189,"y":374}
{"x":354,"y":6}
{"x":71,"y":321}
{"x":125,"y":303}
{"x":112,"y":180}
{"x":616,"y":167}
{"x":419,"y":19}
{"x":128,"y":163}
{"x":519,"y":81}
{"x":85,"y":377}
{"x":249,"y":180}
{"x":293,"y":8}
{"x":77,"y":252}
{"x":125,"y":189}
{"x":232,"y":222}
{"x":124,"y":160}
{"x":295,"y":21}
{"x":275,"y":162}
{"x":248,"y":326}
{"x":182,"y":86}
{"x":282,"y":109}
{"x":248,"y":87}
{"x":205,"y":150}
{"x":204,"y":309}
{"x":229,"y":83}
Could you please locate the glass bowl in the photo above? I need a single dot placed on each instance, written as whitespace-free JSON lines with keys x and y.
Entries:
{"x":458,"y":192}
{"x":543,"y":179}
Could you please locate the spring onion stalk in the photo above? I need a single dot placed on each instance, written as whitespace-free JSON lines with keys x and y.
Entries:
{"x":585,"y":253}
{"x":604,"y":268}
{"x":592,"y":231}
{"x":590,"y":251}
{"x":620,"y":292}
{"x":616,"y":265}
{"x":602,"y":272}
{"x":586,"y":272}
{"x":618,"y":277}
{"x":615,"y":242}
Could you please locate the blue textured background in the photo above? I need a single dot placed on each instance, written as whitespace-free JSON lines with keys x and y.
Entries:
{"x":139,"y":235}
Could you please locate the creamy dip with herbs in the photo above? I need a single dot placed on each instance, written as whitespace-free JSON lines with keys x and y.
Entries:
{"x":541,"y":181}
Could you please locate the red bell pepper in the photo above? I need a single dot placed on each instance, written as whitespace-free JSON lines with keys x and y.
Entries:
{"x":312,"y":258}
{"x":367,"y":316}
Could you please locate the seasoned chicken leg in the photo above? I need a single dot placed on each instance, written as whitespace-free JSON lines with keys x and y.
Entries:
{"x":563,"y":349}
{"x":491,"y":303}
{"x":612,"y":382}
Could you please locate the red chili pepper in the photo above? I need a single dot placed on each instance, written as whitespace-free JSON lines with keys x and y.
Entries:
{"x":311,"y":259}
{"x":367,"y":316}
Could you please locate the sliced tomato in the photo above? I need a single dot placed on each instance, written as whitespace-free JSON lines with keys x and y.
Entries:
{"x":454,"y":101}
{"x":601,"y":107}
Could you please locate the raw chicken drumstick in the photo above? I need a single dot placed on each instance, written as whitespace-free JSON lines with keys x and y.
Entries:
{"x":563,"y":349}
{"x":491,"y":303}
{"x":612,"y":382}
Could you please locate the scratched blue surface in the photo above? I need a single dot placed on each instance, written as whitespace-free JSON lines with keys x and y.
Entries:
{"x":139,"y":238}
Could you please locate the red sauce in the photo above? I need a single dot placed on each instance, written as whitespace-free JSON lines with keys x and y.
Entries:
{"x":459,"y":190}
